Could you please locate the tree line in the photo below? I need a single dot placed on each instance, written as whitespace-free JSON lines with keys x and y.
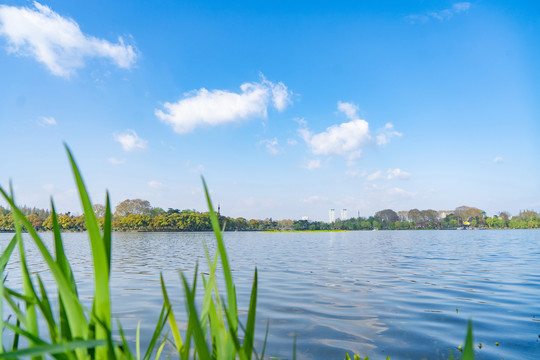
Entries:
{"x":139,"y":215}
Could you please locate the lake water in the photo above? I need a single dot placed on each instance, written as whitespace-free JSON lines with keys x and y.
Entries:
{"x":405,"y":294}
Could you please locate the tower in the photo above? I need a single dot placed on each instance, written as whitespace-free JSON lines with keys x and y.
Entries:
{"x":332,"y":216}
{"x":343,"y":214}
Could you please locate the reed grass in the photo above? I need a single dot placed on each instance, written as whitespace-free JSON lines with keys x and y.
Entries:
{"x":74,"y":332}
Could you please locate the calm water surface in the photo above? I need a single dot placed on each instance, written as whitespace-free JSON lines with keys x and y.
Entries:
{"x":406,"y":294}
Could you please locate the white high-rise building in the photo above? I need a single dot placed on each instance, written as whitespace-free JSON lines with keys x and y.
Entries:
{"x":344,"y":214}
{"x":332,"y":216}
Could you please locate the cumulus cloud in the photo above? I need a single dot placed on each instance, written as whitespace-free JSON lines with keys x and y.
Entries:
{"x":313,"y":164}
{"x":47,"y":121}
{"x":441,"y":15}
{"x":56,"y":41}
{"x":346,"y":139}
{"x":215,"y":107}
{"x":130,"y":141}
{"x":498,"y":160}
{"x":397,"y":174}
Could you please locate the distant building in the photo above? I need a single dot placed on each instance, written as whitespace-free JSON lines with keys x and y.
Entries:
{"x":305,"y":218}
{"x":344,"y":214}
{"x":332,"y":216}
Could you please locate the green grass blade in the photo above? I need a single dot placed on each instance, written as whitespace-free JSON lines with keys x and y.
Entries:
{"x":198,"y":335}
{"x":30,"y":336}
{"x":138,"y":340}
{"x":157,"y":331}
{"x":7,"y":253}
{"x":468,"y":350}
{"x":231,"y":293}
{"x":46,"y":310}
{"x":28,"y":288}
{"x":107,"y":230}
{"x":172,"y":321}
{"x":72,"y":304}
{"x":233,"y":336}
{"x":61,"y":258}
{"x":125,"y":347}
{"x":100,"y":255}
{"x":3,"y":262}
{"x":64,"y":266}
{"x":160,"y":349}
{"x":265,"y":339}
{"x":53,"y":348}
{"x":249,"y":334}
{"x":15,"y":344}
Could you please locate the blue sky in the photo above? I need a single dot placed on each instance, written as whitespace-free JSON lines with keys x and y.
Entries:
{"x":287,"y":108}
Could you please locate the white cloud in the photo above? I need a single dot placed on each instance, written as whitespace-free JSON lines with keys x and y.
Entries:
{"x":397,"y":174}
{"x":156,"y":185}
{"x":441,"y":15}
{"x":386,"y":133}
{"x":348,"y":138}
{"x":344,"y":139}
{"x":498,"y":160}
{"x":272,"y":146}
{"x":56,"y":41}
{"x":215,"y":107}
{"x":47,"y":121}
{"x":116,"y":161}
{"x":376,"y":175}
{"x":313,"y":164}
{"x":130,"y":141}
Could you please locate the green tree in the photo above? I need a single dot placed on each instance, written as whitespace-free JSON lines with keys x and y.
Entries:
{"x":133,"y":207}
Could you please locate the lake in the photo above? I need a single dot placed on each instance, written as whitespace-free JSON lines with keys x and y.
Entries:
{"x":405,"y":294}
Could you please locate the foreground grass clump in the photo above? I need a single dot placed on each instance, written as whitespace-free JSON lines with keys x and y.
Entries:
{"x":74,"y":332}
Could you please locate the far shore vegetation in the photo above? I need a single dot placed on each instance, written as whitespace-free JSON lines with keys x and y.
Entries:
{"x":139,"y":215}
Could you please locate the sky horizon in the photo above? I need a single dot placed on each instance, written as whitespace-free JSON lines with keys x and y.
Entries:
{"x":287,"y":109}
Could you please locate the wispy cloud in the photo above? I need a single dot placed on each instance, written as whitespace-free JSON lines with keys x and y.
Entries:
{"x":313,"y":199}
{"x":348,"y":138}
{"x":441,"y":15}
{"x":375,"y":176}
{"x":397,"y":174}
{"x":214,"y":107}
{"x":313,"y":164}
{"x":395,"y":191}
{"x":498,"y":160}
{"x":130,"y":141}
{"x":386,"y":133}
{"x":272,"y":146}
{"x":154,"y":184}
{"x":115,"y":161}
{"x":196,"y":169}
{"x":56,"y":41}
{"x":47,"y":121}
